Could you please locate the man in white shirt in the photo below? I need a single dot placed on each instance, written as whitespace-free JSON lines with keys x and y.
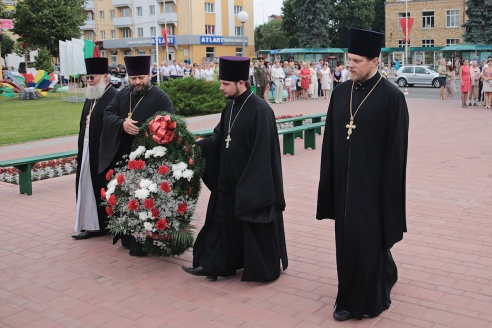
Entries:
{"x":475,"y":76}
{"x":278,"y":77}
{"x":165,"y":71}
{"x":174,"y":70}
{"x":345,"y":73}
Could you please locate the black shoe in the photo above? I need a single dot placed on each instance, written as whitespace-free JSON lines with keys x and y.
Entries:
{"x":197,"y":271}
{"x":341,"y":315}
{"x":211,"y":278}
{"x":469,"y":104}
{"x":475,"y":104}
{"x":86,"y":235}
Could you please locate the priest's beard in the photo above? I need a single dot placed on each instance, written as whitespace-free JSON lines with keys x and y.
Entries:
{"x":141,"y":91}
{"x":234,"y":95}
{"x":95,"y":91}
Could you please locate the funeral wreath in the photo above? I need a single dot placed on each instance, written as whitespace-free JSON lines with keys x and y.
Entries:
{"x":152,"y":193}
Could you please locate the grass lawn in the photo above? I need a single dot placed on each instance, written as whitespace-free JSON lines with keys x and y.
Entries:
{"x":46,"y":117}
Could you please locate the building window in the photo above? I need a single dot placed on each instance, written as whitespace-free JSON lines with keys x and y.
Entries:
{"x":401,"y":44}
{"x":237,"y":9}
{"x":210,"y":52}
{"x":209,"y":29}
{"x":428,"y":43}
{"x":127,"y":53}
{"x":113,"y":34}
{"x":152,"y":31}
{"x":140,"y":32}
{"x":153,"y":57}
{"x":209,"y":7}
{"x":103,"y":35}
{"x":402,"y":15}
{"x":238,"y":30}
{"x":142,"y":52}
{"x":125,"y":12}
{"x":103,"y":53}
{"x":126,"y":33}
{"x":169,"y":8}
{"x":152,"y":9}
{"x":170,"y":29}
{"x":139,"y":11}
{"x":112,"y":14}
{"x":239,"y":51}
{"x":90,"y":16}
{"x":113,"y":58}
{"x":450,"y":42}
{"x":428,"y":19}
{"x":452,"y":18}
{"x":90,"y":36}
{"x":101,"y":15}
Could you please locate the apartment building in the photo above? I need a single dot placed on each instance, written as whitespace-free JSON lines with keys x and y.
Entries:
{"x":196,"y":30}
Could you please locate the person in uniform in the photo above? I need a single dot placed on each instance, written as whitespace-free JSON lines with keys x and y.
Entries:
{"x":244,"y":223}
{"x":362,"y":179}
{"x":261,"y":78}
{"x":91,"y":218}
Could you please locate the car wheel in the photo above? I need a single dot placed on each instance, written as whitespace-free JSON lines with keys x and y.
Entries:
{"x":401,"y":82}
{"x":435,"y":83}
{"x":410,"y":85}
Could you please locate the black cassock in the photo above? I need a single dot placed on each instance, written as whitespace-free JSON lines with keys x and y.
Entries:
{"x":244,"y":223}
{"x":114,"y":141}
{"x":95,"y":129}
{"x":362,"y":187}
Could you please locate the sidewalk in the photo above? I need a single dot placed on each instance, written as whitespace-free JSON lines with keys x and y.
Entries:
{"x":445,"y":260}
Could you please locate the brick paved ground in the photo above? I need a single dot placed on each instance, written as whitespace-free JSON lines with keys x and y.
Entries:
{"x":445,"y":260}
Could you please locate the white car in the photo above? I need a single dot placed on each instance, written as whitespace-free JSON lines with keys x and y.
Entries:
{"x":115,"y":81}
{"x":416,"y":74}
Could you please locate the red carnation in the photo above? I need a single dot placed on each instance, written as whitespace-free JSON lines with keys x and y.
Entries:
{"x":133,"y":205}
{"x":120,"y":179}
{"x":163,"y":169}
{"x":132,"y":164}
{"x":109,"y":211}
{"x":155,"y":212}
{"x":165,"y":187}
{"x":109,"y":175}
{"x":149,"y":203}
{"x":182,"y":208}
{"x":103,"y":193}
{"x":161,"y":224}
{"x":112,"y":201}
{"x":139,"y":164}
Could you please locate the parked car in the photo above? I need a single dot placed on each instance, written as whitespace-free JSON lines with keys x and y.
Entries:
{"x":416,"y":74}
{"x":115,"y":81}
{"x":117,"y":70}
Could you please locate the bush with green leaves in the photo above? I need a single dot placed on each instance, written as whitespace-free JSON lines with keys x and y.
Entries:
{"x":192,"y":97}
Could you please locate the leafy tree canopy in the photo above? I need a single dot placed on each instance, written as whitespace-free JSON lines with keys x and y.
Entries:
{"x":478,"y":29}
{"x":313,"y":22}
{"x":7,"y":45}
{"x":290,"y":22}
{"x":42,"y":23}
{"x":270,"y":36}
{"x":43,"y":60}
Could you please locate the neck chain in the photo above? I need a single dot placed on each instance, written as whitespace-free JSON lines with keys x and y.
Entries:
{"x":351,"y":125}
{"x":228,"y":139}
{"x":130,"y":113}
{"x":94,"y":102}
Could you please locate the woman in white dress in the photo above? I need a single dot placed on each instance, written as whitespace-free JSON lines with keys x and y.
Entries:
{"x":325,"y":80}
{"x":209,"y":73}
{"x":314,"y":81}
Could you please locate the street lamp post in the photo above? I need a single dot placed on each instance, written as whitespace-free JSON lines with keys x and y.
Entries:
{"x":243,"y":17}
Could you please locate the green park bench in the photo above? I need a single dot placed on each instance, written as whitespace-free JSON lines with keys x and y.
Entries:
{"x":299,"y":120}
{"x":309,"y":131}
{"x":24,"y":165}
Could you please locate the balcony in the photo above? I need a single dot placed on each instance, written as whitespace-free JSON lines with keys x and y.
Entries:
{"x":120,"y":22}
{"x":122,"y":3}
{"x":167,"y":17}
{"x":174,"y":1}
{"x":90,"y":5}
{"x":89,"y":25}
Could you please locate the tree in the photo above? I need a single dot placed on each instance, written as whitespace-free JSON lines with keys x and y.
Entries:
{"x":43,"y":60}
{"x":313,"y":22}
{"x":42,"y":23}
{"x":290,"y":22}
{"x":379,"y":18}
{"x":477,"y":28}
{"x":346,"y":14}
{"x":7,"y":45}
{"x":270,"y":36}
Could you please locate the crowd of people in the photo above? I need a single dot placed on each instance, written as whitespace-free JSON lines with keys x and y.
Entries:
{"x":206,"y":71}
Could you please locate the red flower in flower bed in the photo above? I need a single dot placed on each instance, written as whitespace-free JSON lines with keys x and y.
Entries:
{"x":163,"y":169}
{"x":112,"y":201}
{"x":109,"y":175}
{"x":161,"y":224}
{"x":182,"y":208}
{"x":165,"y":187}
{"x":133,"y":205}
{"x":162,"y":129}
{"x":155,"y":212}
{"x":149,"y":203}
{"x":140,"y":164}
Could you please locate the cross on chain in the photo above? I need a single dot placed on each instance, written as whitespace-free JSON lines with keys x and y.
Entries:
{"x":228,"y":139}
{"x":350,"y":127}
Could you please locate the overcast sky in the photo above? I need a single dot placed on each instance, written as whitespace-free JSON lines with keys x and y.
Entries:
{"x":265,"y":8}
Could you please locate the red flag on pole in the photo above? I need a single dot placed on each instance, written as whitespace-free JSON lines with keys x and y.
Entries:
{"x":403,"y":24}
{"x":164,"y":32}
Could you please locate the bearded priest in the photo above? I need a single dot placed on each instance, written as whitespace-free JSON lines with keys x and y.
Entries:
{"x":91,"y":218}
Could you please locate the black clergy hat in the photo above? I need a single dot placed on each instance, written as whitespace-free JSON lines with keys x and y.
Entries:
{"x":365,"y":43}
{"x":96,"y":65}
{"x":137,"y":65}
{"x":233,"y":68}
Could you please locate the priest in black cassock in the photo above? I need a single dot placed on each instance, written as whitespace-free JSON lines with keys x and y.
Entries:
{"x":91,"y":218}
{"x":362,"y":181}
{"x":131,"y":107}
{"x":244,"y":225}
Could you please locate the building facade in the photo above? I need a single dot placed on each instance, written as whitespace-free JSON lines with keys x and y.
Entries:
{"x":197,"y":30}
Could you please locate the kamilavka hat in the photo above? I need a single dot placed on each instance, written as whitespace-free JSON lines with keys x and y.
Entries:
{"x":234,"y":68}
{"x":137,"y":65}
{"x":365,"y":43}
{"x":96,"y":65}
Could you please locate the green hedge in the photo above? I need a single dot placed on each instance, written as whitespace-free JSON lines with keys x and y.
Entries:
{"x":192,"y":97}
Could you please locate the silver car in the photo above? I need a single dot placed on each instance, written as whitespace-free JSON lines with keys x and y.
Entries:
{"x":416,"y":74}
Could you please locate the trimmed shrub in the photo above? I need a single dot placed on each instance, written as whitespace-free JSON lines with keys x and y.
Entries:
{"x":192,"y":97}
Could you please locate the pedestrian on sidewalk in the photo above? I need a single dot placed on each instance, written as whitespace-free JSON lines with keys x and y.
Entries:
{"x":91,"y":219}
{"x":475,"y":76}
{"x":465,"y":81}
{"x":261,"y":77}
{"x":362,"y":180}
{"x":244,"y":226}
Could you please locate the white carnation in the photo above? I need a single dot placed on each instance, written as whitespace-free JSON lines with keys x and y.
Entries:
{"x":148,"y":226}
{"x":159,"y":151}
{"x":177,"y":174}
{"x":152,"y":187}
{"x":143,"y":215}
{"x":142,"y":193}
{"x":145,"y":183}
{"x":148,"y":153}
{"x":188,"y":174}
{"x":181,"y":166}
{"x":137,"y":152}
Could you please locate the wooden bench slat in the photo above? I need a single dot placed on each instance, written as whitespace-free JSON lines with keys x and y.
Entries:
{"x":38,"y":158}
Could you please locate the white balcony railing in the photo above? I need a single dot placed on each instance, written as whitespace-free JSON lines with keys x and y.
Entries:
{"x":90,"y":5}
{"x":123,"y":21}
{"x":89,"y":25}
{"x":122,"y":3}
{"x":167,"y":17}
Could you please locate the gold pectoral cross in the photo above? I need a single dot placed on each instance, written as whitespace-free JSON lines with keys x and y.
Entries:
{"x":350,"y":127}
{"x":228,"y":139}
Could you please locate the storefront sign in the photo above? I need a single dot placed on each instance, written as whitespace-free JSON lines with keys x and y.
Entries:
{"x":160,"y":39}
{"x":205,"y":39}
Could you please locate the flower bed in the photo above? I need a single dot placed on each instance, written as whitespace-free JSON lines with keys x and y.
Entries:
{"x":42,"y":170}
